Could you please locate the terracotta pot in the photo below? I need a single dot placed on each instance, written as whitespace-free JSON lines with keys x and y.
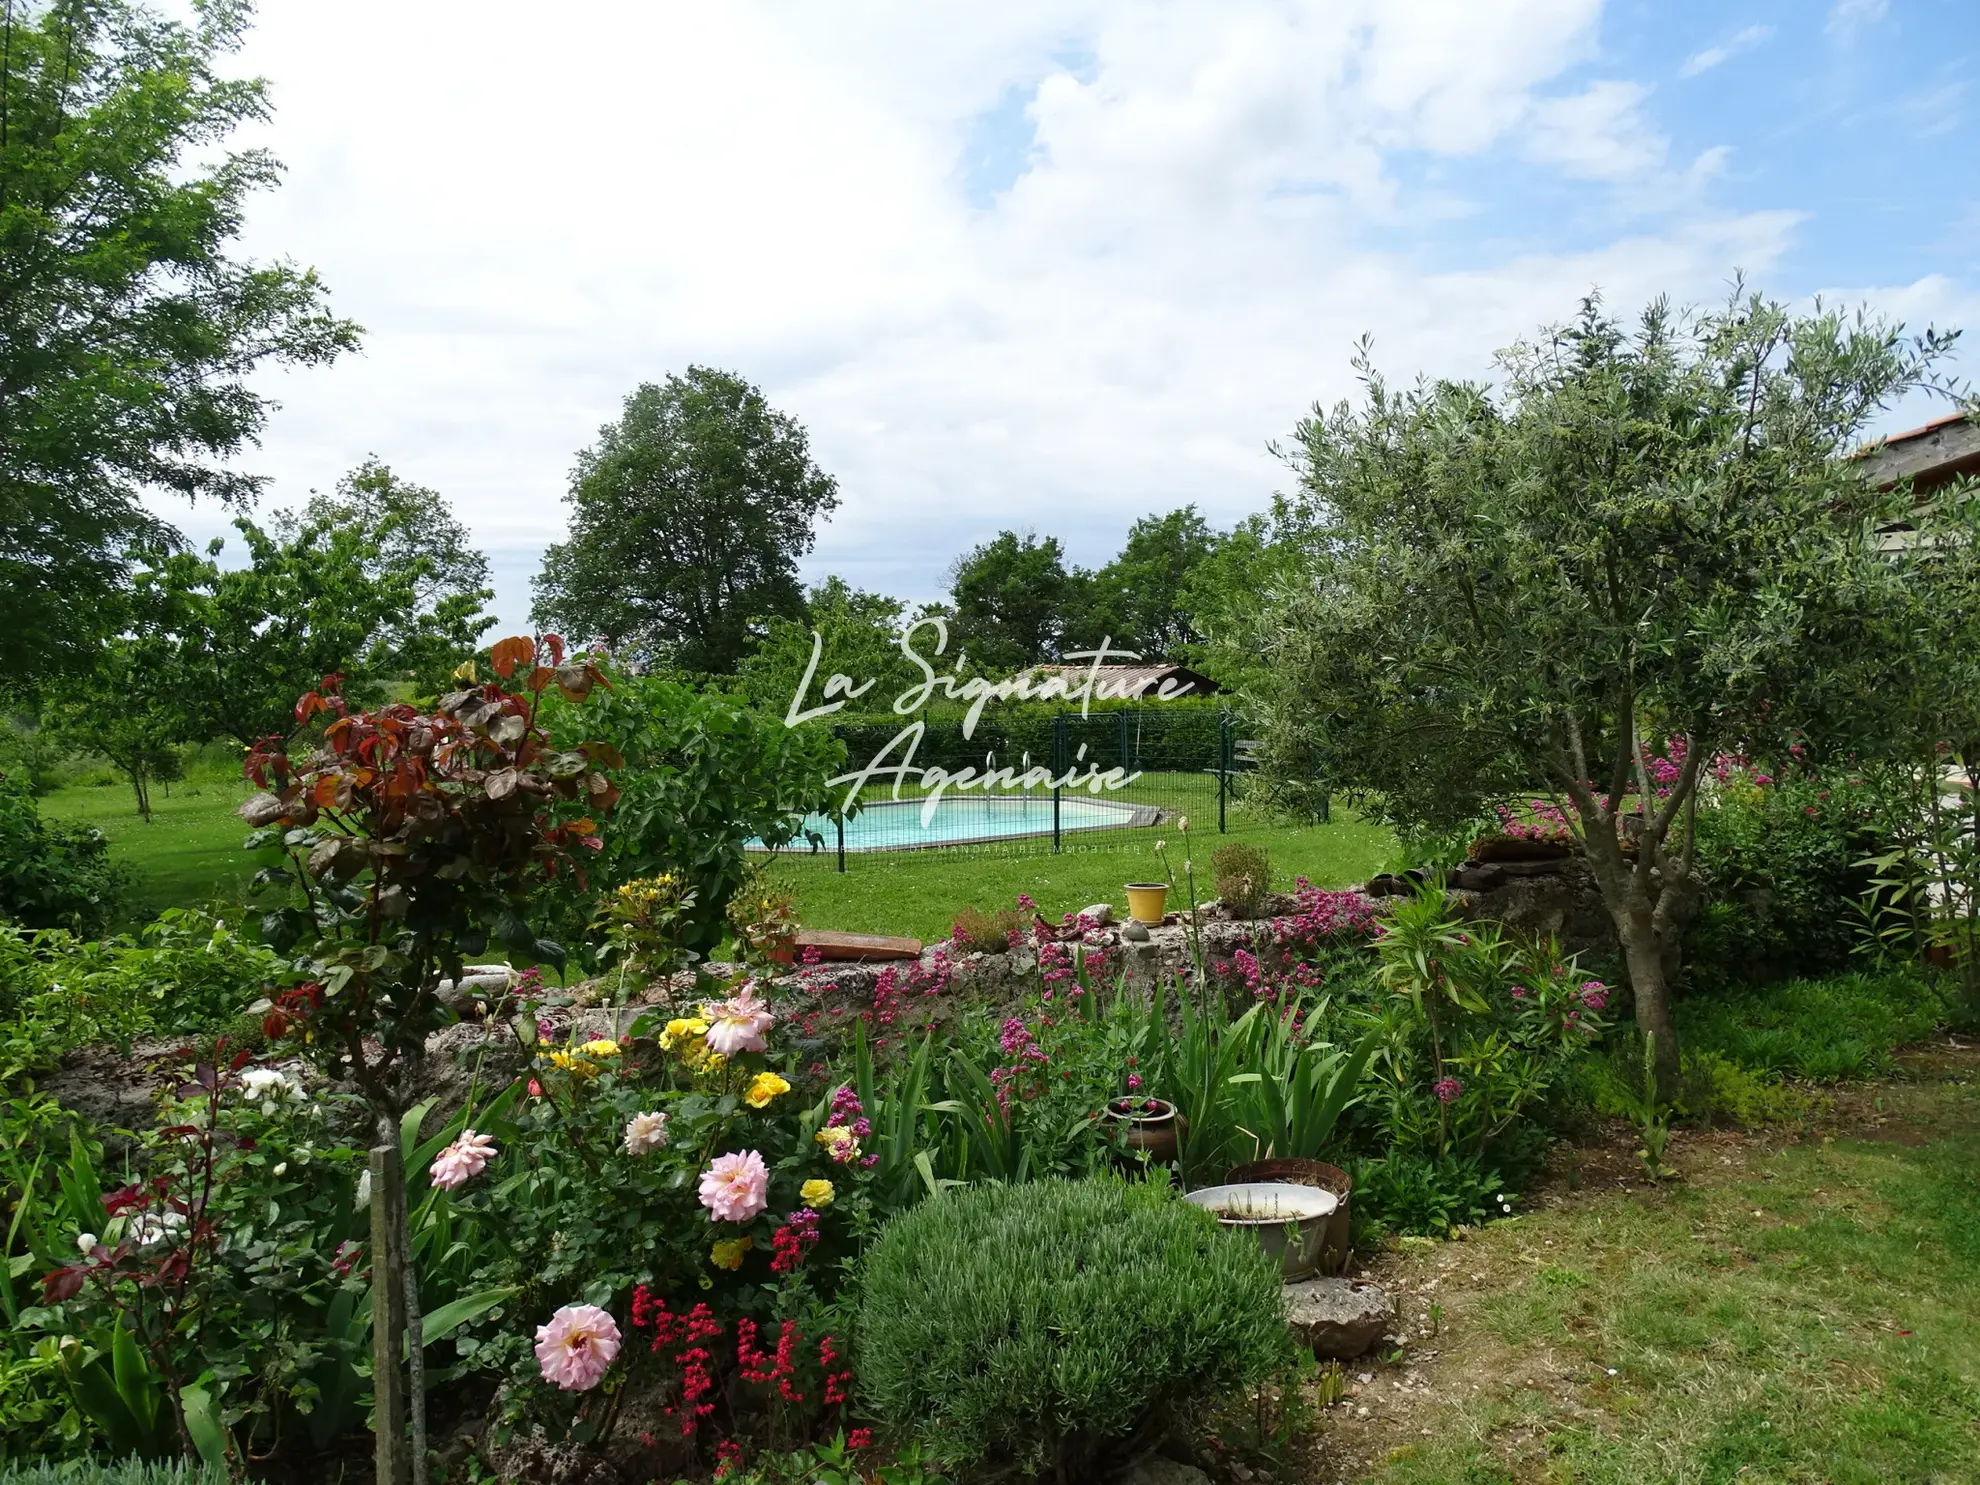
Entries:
{"x":1145,"y":900}
{"x":1153,"y":1128}
{"x":781,"y":950}
{"x":1939,"y":956}
{"x":1338,"y":1245}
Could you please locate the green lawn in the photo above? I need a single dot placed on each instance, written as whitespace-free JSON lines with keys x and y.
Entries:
{"x":1801,"y":1314}
{"x":190,"y":853}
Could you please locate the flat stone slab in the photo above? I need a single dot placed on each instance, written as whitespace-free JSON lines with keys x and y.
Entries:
{"x":1339,"y":1318}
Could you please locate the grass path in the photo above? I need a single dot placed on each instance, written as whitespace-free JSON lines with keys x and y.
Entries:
{"x":1786,"y":1312}
{"x":190,"y":852}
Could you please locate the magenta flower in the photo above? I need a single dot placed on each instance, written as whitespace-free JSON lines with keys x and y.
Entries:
{"x":735,"y":1188}
{"x":1594,"y":994}
{"x":737,"y":1024}
{"x":1134,"y":1082}
{"x":576,"y":1347}
{"x":1447,"y":1089}
{"x":464,"y":1159}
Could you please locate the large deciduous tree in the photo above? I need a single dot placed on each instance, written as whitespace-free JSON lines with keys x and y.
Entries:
{"x":1138,"y":599}
{"x":1643,"y":549}
{"x":688,"y":517}
{"x":409,"y":532}
{"x":128,"y":334}
{"x":1011,"y":598}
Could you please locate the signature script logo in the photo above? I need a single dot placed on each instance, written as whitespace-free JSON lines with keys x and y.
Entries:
{"x":1084,"y":686}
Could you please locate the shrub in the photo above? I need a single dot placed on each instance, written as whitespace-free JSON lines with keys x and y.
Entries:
{"x":703,"y":774}
{"x":1046,"y":1326}
{"x":1825,"y":1030}
{"x":1780,"y":860}
{"x":1244,"y":876}
{"x":54,"y":876}
{"x":988,"y":933}
{"x":1424,"y":1195}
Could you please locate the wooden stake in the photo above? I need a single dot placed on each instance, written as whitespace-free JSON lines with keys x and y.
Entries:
{"x":393,"y":1459}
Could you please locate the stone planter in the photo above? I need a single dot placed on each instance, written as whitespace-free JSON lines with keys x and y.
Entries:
{"x":1153,"y":1128}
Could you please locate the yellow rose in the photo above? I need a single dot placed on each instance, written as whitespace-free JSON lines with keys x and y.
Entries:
{"x":816,"y":1194}
{"x":602,"y":1047}
{"x":575,"y":1066}
{"x":729,"y":1253}
{"x":764,"y":1087}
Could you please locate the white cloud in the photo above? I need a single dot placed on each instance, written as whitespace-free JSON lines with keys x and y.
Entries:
{"x":529,"y":219}
{"x":1847,"y":17}
{"x":1712,"y":56}
{"x":1597,"y":134}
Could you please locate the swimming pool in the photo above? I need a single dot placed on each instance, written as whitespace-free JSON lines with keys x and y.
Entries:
{"x":969,"y":819}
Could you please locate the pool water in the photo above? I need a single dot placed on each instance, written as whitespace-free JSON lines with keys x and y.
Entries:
{"x":896,"y":825}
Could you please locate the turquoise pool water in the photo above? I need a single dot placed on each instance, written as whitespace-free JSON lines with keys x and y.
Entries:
{"x":895,"y":825}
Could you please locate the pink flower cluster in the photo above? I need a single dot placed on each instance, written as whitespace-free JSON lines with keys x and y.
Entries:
{"x":1321,"y":915}
{"x":1594,"y":994}
{"x":1447,"y":1090}
{"x":850,"y":1115}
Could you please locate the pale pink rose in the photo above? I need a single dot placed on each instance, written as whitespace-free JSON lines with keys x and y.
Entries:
{"x":645,"y":1133}
{"x":577,"y":1345}
{"x":735,"y":1188}
{"x":466,"y":1157}
{"x":738,"y":1024}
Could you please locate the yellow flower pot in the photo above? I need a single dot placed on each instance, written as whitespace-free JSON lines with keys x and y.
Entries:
{"x":1145,"y":900}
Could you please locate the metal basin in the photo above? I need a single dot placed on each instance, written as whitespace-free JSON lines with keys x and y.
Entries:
{"x":1289,"y":1221}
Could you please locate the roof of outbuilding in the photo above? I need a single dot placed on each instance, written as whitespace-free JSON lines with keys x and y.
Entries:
{"x":1931,"y":455}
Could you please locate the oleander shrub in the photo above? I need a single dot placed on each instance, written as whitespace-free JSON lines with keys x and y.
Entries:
{"x":1243,"y":875}
{"x":1054,"y":1325}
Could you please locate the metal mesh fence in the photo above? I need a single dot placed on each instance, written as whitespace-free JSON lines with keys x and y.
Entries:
{"x":1044,"y":783}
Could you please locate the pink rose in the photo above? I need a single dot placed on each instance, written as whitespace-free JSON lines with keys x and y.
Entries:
{"x":466,"y":1157}
{"x":735,"y":1188}
{"x":738,"y":1024}
{"x":577,"y":1345}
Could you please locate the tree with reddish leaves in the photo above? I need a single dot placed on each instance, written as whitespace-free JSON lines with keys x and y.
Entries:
{"x":404,"y":841}
{"x":407,"y":840}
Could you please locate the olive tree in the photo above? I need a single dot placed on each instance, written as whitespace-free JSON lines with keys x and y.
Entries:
{"x":1642,"y":548}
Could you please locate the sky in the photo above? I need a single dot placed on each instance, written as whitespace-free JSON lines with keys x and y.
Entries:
{"x":1051,"y":266}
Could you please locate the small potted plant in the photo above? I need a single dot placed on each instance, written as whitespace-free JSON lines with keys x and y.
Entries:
{"x":1150,"y":1127}
{"x":1145,"y":901}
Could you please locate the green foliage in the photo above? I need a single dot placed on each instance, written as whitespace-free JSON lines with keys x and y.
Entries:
{"x":1011,"y":595}
{"x":1420,"y":1194}
{"x":989,"y":932}
{"x":858,"y":636}
{"x":186,"y":971}
{"x":125,"y":1472}
{"x":1243,"y":874}
{"x":1640,"y":533}
{"x":1825,"y":1030}
{"x":687,"y":519}
{"x":54,"y":876}
{"x":1049,"y":1325}
{"x":704,"y":774}
{"x":1139,"y":600}
{"x":408,"y":534}
{"x":129,"y":338}
{"x":346,"y":591}
{"x":1782,"y":864}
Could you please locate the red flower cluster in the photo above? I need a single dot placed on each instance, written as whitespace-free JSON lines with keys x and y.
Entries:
{"x":650,"y":1312}
{"x":793,"y":1241}
{"x":835,"y":1381}
{"x":758,"y":1366}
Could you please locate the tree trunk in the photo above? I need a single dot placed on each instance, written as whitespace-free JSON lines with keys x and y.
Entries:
{"x":1644,"y":957}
